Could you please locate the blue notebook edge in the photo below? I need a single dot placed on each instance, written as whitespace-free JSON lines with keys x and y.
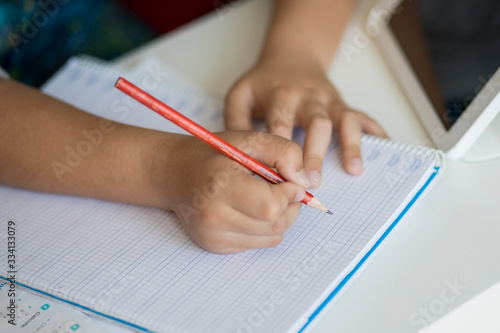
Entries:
{"x":81,"y":307}
{"x":370,"y":252}
{"x":321,"y":306}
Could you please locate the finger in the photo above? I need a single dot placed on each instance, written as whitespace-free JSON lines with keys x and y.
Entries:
{"x":230,"y":242}
{"x":280,"y":153}
{"x":237,"y":240}
{"x":350,"y":142}
{"x":261,"y":200}
{"x":275,"y":233}
{"x":248,"y":225}
{"x":238,"y":109}
{"x":232,"y":250}
{"x":280,"y":113}
{"x":226,"y":241}
{"x":370,"y":126}
{"x":287,"y":219}
{"x":318,"y":126}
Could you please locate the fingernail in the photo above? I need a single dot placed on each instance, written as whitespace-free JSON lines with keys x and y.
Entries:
{"x":315,"y":178}
{"x":356,"y":165}
{"x":302,"y":179}
{"x":300,"y":196}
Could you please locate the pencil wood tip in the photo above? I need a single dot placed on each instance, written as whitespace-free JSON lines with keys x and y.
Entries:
{"x":318,"y":205}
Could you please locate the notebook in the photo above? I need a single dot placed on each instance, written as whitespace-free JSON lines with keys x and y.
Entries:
{"x":137,"y":266}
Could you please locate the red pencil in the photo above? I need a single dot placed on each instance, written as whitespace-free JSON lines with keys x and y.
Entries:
{"x":213,"y":140}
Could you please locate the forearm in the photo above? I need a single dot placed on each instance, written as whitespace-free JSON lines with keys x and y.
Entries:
{"x":50,"y":146}
{"x":310,"y":29}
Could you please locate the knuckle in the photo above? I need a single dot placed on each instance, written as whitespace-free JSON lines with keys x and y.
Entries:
{"x":271,"y":210}
{"x":207,"y":218}
{"x":348,"y":117}
{"x":207,"y":242}
{"x":277,"y":125}
{"x":275,"y":240}
{"x":314,"y":159}
{"x":215,"y":245}
{"x":291,"y":149}
{"x":371,"y":126}
{"x":280,"y":117}
{"x":338,"y":104}
{"x":314,"y":86}
{"x":351,"y":114}
{"x":320,"y":121}
{"x":351,"y":149}
{"x":281,"y":98}
{"x":279,"y":226}
{"x":282,"y":92}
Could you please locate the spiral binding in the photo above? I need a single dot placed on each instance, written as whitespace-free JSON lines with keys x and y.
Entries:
{"x":408,"y":148}
{"x":86,"y":61}
{"x":90,"y":62}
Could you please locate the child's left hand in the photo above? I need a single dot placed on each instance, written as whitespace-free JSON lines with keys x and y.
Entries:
{"x":290,"y":91}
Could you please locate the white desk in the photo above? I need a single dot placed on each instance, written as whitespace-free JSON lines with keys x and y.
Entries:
{"x":453,"y":234}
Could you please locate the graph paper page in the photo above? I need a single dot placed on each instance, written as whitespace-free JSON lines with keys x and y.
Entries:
{"x":138,"y":265}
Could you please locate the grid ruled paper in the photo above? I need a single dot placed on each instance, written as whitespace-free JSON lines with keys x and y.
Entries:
{"x":137,"y":264}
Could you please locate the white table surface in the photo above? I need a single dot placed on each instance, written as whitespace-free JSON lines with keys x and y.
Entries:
{"x":452,"y":235}
{"x":479,"y":314}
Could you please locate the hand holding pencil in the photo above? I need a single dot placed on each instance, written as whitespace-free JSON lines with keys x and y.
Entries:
{"x":253,"y":201}
{"x":211,"y":139}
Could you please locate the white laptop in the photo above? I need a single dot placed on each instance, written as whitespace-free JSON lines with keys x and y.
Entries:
{"x":446,"y":56}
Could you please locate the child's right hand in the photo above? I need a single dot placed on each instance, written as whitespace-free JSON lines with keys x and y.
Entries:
{"x":223,"y":207}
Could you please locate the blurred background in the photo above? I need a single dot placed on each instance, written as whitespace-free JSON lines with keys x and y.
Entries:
{"x":38,"y":36}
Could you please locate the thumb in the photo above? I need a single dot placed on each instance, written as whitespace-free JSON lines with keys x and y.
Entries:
{"x":280,"y":153}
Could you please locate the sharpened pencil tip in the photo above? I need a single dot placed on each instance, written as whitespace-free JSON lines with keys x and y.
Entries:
{"x":329,"y":212}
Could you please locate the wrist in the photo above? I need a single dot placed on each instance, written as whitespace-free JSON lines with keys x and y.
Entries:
{"x":163,"y":172}
{"x":280,"y":55}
